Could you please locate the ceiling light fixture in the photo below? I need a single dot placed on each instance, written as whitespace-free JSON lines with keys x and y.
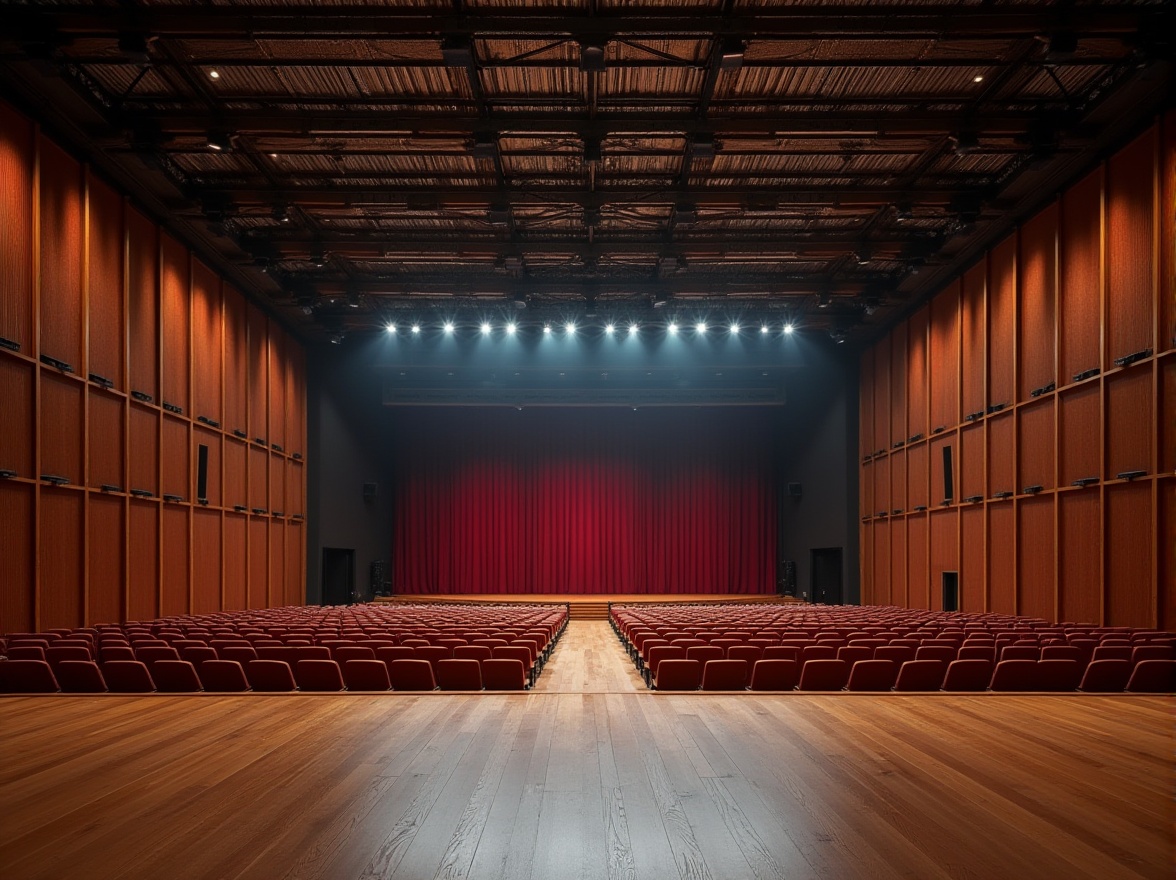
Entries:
{"x":731,"y":51}
{"x":447,"y":327}
{"x":511,"y":328}
{"x":416,"y":329}
{"x":214,"y":74}
{"x":221,"y":141}
{"x":788,"y":328}
{"x":593,"y":56}
{"x":672,"y":329}
{"x":485,"y":328}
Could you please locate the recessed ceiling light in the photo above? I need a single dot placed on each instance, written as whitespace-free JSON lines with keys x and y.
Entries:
{"x":788,"y":328}
{"x":416,"y":329}
{"x":485,"y":328}
{"x":672,"y":329}
{"x":391,"y":327}
{"x":763,"y":329}
{"x":633,"y":328}
{"x":447,"y":327}
{"x":570,"y":327}
{"x":546,"y":329}
{"x":978,"y":78}
{"x":511,"y":328}
{"x":610,"y":329}
{"x":214,"y":74}
{"x":734,"y":328}
{"x":700,"y":327}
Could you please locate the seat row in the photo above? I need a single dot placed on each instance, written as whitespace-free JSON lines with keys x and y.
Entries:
{"x":269,"y":676}
{"x":1100,"y":676}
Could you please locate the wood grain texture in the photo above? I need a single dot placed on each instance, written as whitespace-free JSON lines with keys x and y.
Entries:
{"x":585,"y":784}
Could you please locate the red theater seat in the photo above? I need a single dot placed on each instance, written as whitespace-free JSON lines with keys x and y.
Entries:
{"x":412,"y":675}
{"x":724,"y":675}
{"x":459,"y":675}
{"x":872,"y":675}
{"x":704,"y":653}
{"x":318,"y":675}
{"x":853,"y":653}
{"x":923,"y":675}
{"x":353,"y":652}
{"x":27,"y":652}
{"x":1106,"y":676}
{"x":222,"y":676}
{"x":366,"y":675}
{"x":27,"y":677}
{"x":823,"y":675}
{"x":127,"y":677}
{"x":775,"y":675}
{"x":175,"y":677}
{"x":781,"y":652}
{"x":1058,"y":675}
{"x":504,"y":674}
{"x":270,"y":676}
{"x":80,"y":677}
{"x":1153,"y":677}
{"x":968,"y":675}
{"x":1015,"y":675}
{"x":678,"y":674}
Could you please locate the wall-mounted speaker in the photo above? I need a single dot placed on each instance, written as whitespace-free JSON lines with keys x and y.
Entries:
{"x":948,"y":481}
{"x":202,"y":474}
{"x":795,"y":490}
{"x":369,"y":491}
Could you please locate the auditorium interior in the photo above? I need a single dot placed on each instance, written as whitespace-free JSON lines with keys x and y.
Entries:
{"x":587,"y":439}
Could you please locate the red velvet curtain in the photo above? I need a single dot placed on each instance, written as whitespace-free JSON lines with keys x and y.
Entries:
{"x":585,"y":501}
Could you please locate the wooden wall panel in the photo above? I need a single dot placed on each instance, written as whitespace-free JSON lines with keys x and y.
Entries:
{"x":973,"y":332}
{"x":936,"y":472}
{"x":945,"y":358}
{"x":881,"y":556}
{"x":1130,"y":251}
{"x":236,"y":492}
{"x":236,"y":318}
{"x":1002,"y":322}
{"x":206,"y":562}
{"x":881,"y":485}
{"x":175,"y":455}
{"x":258,"y":562}
{"x":106,"y":560}
{"x":917,"y":382}
{"x":17,"y":568}
{"x":258,"y":477}
{"x":62,"y":219}
{"x":944,"y":552}
{"x":866,"y":445}
{"x":898,"y":481}
{"x":62,"y":407}
{"x":1037,"y":290}
{"x":277,"y":485}
{"x":294,"y":506}
{"x":175,"y":322}
{"x":918,"y":583}
{"x":881,"y":431}
{"x":970,"y":451}
{"x":276,"y":432}
{"x":866,"y":550}
{"x":211,"y":439}
{"x":144,"y":450}
{"x":1168,"y":416}
{"x":207,"y":344}
{"x":236,"y":572}
{"x":898,"y":386}
{"x":107,"y":447}
{"x":973,"y":596}
{"x":295,"y":398}
{"x":143,"y":566}
{"x":176,"y":555}
{"x":1167,"y":554}
{"x":1130,"y":531}
{"x":17,"y":439}
{"x":1078,"y":429}
{"x":295,"y":564}
{"x":918,"y":476}
{"x":1002,"y":559}
{"x":143,"y":303}
{"x":277,"y":563}
{"x":257,"y":363}
{"x":898,"y":562}
{"x":106,"y":314}
{"x":1002,"y":454}
{"x":1131,"y":422}
{"x":1080,"y":557}
{"x":17,"y":145}
{"x":1037,"y":445}
{"x":1167,"y":316}
{"x":1036,"y":557}
{"x":1080,"y":283}
{"x":62,"y":567}
{"x":866,"y":506}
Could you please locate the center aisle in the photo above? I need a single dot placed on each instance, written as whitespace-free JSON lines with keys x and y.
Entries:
{"x":589,"y":660}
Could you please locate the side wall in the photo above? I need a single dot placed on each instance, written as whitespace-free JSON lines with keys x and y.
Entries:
{"x":121,"y":355}
{"x":1049,"y":371}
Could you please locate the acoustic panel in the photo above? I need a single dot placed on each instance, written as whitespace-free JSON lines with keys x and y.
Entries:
{"x":1036,"y":558}
{"x":62,"y":563}
{"x":1036,"y":327}
{"x":143,"y":561}
{"x":1080,"y":283}
{"x":1130,"y":246}
{"x":61,"y":214}
{"x":106,"y":549}
{"x":17,"y":150}
{"x":106,"y":327}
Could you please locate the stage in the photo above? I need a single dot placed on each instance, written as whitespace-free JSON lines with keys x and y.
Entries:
{"x":587,"y":606}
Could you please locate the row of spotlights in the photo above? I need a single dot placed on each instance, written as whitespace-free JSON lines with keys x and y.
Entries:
{"x":701,"y":328}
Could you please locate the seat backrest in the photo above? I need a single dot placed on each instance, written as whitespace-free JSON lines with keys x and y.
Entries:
{"x":504,"y":674}
{"x":318,"y":675}
{"x":490,"y":643}
{"x":1112,"y":652}
{"x":977,"y":652}
{"x":898,"y":653}
{"x":175,"y":677}
{"x":26,"y":652}
{"x":57,"y":652}
{"x":725,"y":642}
{"x":127,"y":677}
{"x":1015,"y":675}
{"x":516,"y":652}
{"x":222,"y":676}
{"x":818,"y":652}
{"x":459,"y":675}
{"x":823,"y":675}
{"x":781,"y":652}
{"x":1106,"y":676}
{"x":746,"y":652}
{"x":472,"y":652}
{"x":1058,"y":675}
{"x":1061,"y":652}
{"x":775,"y":674}
{"x":117,"y":652}
{"x":968,"y":675}
{"x":660,"y":653}
{"x":935,"y":652}
{"x":854,"y":653}
{"x":274,"y":676}
{"x":411,"y":675}
{"x":1139,"y":653}
{"x":703,"y":653}
{"x":725,"y":675}
{"x":365,"y":675}
{"x":80,"y":677}
{"x":1020,"y":652}
{"x":1153,"y":677}
{"x":678,"y":674}
{"x":648,"y":645}
{"x":240,"y":653}
{"x":27,"y":677}
{"x":872,"y":675}
{"x":922,"y":675}
{"x":353,"y":652}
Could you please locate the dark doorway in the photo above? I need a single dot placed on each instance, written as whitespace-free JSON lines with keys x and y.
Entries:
{"x":338,"y":576}
{"x":951,"y":591}
{"x":826,"y":575}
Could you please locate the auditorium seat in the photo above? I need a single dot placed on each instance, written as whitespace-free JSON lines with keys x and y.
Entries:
{"x":459,"y":675}
{"x":27,"y":677}
{"x":1058,"y":675}
{"x":127,"y":677}
{"x":968,"y":675}
{"x":270,"y":676}
{"x":898,"y":653}
{"x":1014,"y":675}
{"x":1153,"y":677}
{"x":977,"y":652}
{"x":775,"y":675}
{"x":472,"y":652}
{"x":823,"y":675}
{"x":286,"y":653}
{"x":923,"y":675}
{"x":80,"y":677}
{"x":1020,"y":652}
{"x":657,"y":654}
{"x":516,"y":652}
{"x":312,"y":652}
{"x":703,"y":653}
{"x":243,"y":654}
{"x":746,"y":652}
{"x":412,"y":675}
{"x":504,"y":674}
{"x":353,"y":652}
{"x":724,"y":643}
{"x":781,"y":652}
{"x":935,"y":652}
{"x":853,"y":653}
{"x":1062,"y":652}
{"x":197,"y":655}
{"x":27,"y":652}
{"x":318,"y":675}
{"x":222,"y":676}
{"x":725,"y":675}
{"x":818,"y":652}
{"x":175,"y":677}
{"x":1139,"y":653}
{"x":1106,"y":676}
{"x":1112,"y":652}
{"x":872,"y":675}
{"x":678,"y":674}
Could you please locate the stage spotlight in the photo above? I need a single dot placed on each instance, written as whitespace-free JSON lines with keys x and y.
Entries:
{"x":633,"y":329}
{"x":788,"y":328}
{"x":672,"y":329}
{"x":416,"y":329}
{"x":447,"y":327}
{"x":391,"y":327}
{"x":763,"y":329}
{"x":570,"y":327}
{"x":485,"y":328}
{"x":610,"y":329}
{"x":546,"y":329}
{"x":511,"y":328}
{"x":734,"y":328}
{"x":700,"y":327}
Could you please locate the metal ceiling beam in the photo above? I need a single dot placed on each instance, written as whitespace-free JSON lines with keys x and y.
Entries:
{"x":541,"y":288}
{"x":840,"y":22}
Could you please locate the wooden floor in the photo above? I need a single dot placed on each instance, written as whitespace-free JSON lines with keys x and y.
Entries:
{"x":606,"y":782}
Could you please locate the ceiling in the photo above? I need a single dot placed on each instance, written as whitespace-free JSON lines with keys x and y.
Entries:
{"x":829,"y":165}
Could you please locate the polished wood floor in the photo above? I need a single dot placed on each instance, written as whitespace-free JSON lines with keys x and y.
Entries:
{"x":587,"y":776}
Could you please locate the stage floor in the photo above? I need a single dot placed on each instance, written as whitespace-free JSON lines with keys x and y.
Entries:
{"x":587,"y":598}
